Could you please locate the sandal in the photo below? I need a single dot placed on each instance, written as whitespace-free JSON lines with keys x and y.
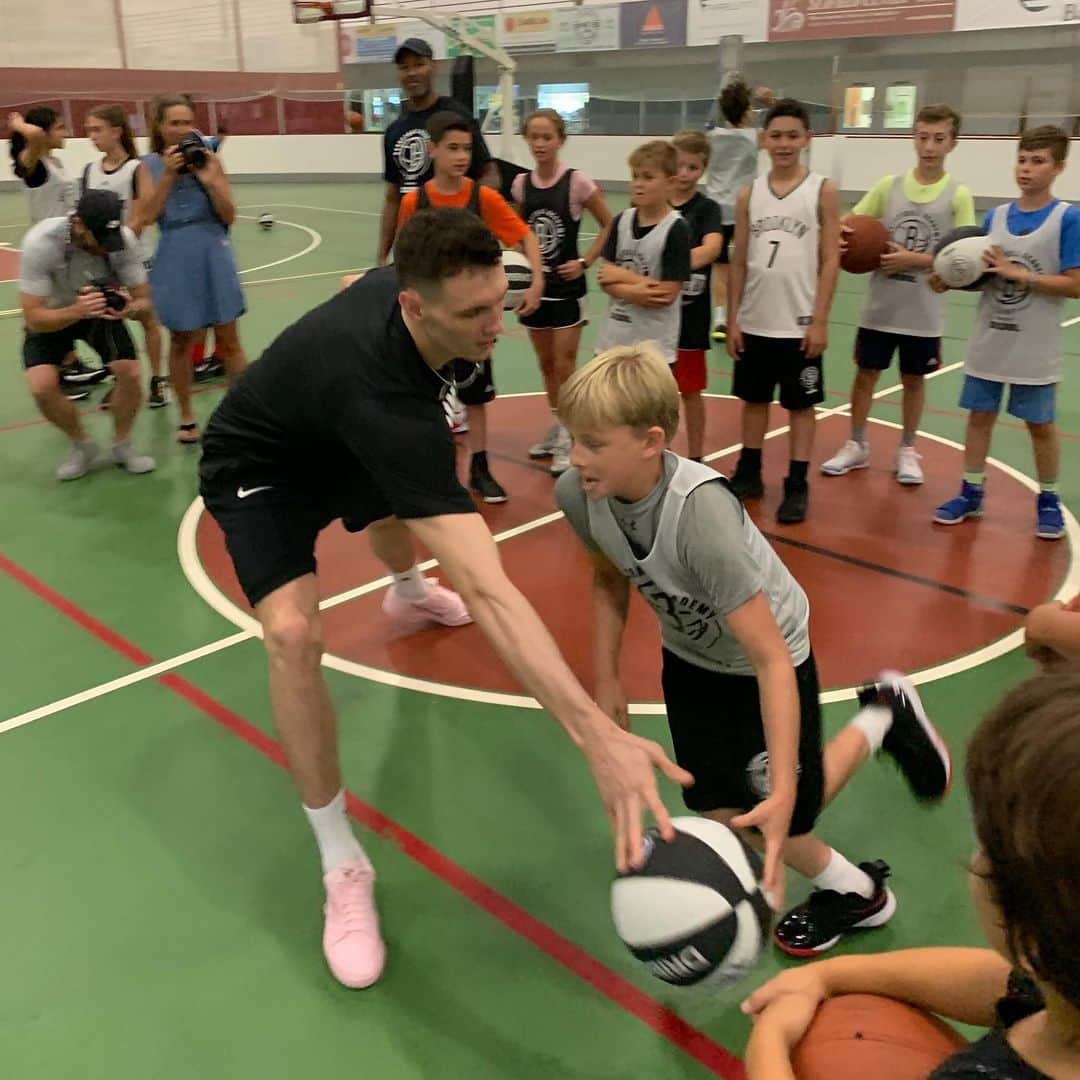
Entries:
{"x":189,"y":434}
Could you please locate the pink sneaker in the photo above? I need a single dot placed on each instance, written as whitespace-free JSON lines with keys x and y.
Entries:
{"x":439,"y":606}
{"x":352,"y":944}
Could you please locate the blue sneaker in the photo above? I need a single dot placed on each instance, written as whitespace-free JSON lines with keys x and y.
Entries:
{"x":968,"y":504}
{"x":1049,"y":522}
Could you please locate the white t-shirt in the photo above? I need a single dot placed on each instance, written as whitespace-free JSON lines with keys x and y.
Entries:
{"x":51,"y":265}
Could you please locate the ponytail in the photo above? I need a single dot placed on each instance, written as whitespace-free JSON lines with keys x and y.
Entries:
{"x":40,"y":116}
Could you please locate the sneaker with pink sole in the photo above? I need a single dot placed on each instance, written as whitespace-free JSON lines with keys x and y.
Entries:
{"x":352,"y":944}
{"x":440,"y":605}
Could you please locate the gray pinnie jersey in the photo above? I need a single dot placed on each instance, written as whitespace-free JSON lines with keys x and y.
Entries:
{"x":1017,"y":335}
{"x":631,"y":324}
{"x":904,"y":303}
{"x":56,"y":196}
{"x":701,"y":557}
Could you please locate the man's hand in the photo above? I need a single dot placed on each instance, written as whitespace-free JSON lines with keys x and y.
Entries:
{"x":772,"y":818}
{"x":814,"y":340}
{"x":570,"y":270}
{"x":90,"y":303}
{"x":806,"y":982}
{"x":734,"y":341}
{"x":115,"y":316}
{"x":622,"y":765}
{"x":898,"y":259}
{"x":936,"y":284}
{"x":611,"y":697}
{"x":531,"y":300}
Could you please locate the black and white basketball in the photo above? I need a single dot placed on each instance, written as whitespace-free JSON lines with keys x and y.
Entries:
{"x":958,"y":259}
{"x":266,"y":222}
{"x":694,"y":914}
{"x":519,"y":275}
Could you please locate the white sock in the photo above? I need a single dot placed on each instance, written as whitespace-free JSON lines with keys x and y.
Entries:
{"x":719,"y":314}
{"x":874,"y":722}
{"x":843,"y":877}
{"x":411,"y":585}
{"x":333,"y":833}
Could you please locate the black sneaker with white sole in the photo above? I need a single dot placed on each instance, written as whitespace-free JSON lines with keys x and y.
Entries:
{"x":746,"y":483}
{"x":82,"y":374}
{"x":74,"y":391}
{"x":912,"y":741}
{"x":818,"y":924}
{"x":484,"y":484}
{"x":158,"y":396}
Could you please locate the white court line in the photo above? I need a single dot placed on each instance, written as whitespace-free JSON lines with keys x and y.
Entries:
{"x":152,"y":671}
{"x":1071,"y":322}
{"x":316,"y":240}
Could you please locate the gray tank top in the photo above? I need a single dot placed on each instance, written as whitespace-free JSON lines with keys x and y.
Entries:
{"x":1017,"y":335}
{"x":631,"y":324}
{"x":904,"y":303}
{"x":54,"y":198}
{"x":690,"y":626}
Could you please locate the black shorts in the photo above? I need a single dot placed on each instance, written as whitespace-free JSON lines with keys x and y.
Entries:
{"x":770,"y":362}
{"x":918,"y":355}
{"x":716,"y":728}
{"x":729,"y":240}
{"x":270,"y":527}
{"x":555,"y":315}
{"x":481,"y":390}
{"x":109,"y":338}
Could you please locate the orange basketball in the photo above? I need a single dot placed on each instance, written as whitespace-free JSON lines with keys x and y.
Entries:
{"x":865,"y":1037}
{"x":867,"y":242}
{"x":355,"y":120}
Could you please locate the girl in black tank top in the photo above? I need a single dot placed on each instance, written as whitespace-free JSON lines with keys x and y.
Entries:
{"x":548,"y":209}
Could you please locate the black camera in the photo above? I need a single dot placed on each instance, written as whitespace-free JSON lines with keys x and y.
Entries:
{"x":193,"y":150}
{"x":114,"y":300}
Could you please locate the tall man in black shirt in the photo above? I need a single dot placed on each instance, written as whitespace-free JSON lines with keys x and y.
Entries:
{"x":342,"y":417}
{"x":406,"y":161}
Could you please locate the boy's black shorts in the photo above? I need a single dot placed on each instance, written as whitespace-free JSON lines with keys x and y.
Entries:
{"x":716,"y":728}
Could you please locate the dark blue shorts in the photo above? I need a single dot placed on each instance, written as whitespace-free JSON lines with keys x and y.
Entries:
{"x":874,"y":351}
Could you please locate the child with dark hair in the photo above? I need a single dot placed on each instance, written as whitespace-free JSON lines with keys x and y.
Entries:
{"x":1022,"y":765}
{"x":733,"y":161}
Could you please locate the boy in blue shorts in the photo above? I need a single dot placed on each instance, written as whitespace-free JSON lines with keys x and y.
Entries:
{"x":1034,"y":251}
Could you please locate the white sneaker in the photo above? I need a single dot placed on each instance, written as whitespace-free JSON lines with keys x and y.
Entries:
{"x":852,"y":455}
{"x":908,"y":470}
{"x":560,"y":452}
{"x":546,"y":446}
{"x":127,"y":458}
{"x":79,"y":461}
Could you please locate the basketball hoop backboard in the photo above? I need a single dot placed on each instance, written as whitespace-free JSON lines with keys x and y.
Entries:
{"x":314,"y":11}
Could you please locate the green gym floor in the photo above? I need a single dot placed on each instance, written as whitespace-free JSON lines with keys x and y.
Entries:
{"x":161,"y":894}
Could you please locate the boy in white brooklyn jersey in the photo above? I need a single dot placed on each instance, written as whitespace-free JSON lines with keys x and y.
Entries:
{"x":739,"y":680}
{"x":783,"y":276}
{"x":1034,"y":251}
{"x":902,"y":314}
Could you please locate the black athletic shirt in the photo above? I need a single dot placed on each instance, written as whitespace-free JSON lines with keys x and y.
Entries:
{"x":406,"y":161}
{"x":703,"y":216}
{"x":992,"y":1058}
{"x":341,"y":402}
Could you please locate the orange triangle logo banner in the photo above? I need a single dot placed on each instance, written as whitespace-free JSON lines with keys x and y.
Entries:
{"x":653,"y":23}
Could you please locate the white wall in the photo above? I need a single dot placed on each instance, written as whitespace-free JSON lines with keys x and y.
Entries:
{"x":181,"y":35}
{"x":855,"y":163}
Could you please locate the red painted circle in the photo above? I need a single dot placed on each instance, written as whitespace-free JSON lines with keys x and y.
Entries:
{"x":887,"y":588}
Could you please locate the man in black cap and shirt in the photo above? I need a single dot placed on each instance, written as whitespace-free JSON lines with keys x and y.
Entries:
{"x":80,"y":276}
{"x":406,"y":162}
{"x":341,"y":418}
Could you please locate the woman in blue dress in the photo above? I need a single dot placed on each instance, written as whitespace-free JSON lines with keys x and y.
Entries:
{"x":194,"y":279}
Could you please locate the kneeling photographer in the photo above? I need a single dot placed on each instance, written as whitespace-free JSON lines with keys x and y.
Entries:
{"x":80,"y":276}
{"x":194,"y":280}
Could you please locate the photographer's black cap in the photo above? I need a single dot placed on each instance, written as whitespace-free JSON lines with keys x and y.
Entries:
{"x":415,"y":45}
{"x":102,"y":213}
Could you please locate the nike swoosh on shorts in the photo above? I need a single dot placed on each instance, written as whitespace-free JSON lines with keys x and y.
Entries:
{"x":243,"y":493}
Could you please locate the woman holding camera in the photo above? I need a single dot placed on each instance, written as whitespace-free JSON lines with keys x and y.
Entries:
{"x":194,"y":280}
{"x":117,"y":171}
